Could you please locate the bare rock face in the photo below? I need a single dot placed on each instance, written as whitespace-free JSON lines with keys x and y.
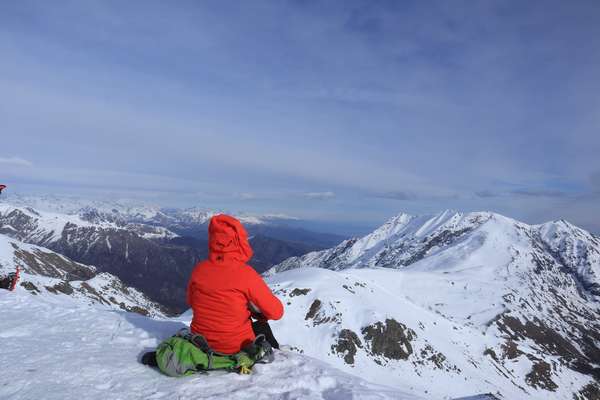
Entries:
{"x":51,"y":264}
{"x":314,"y":308}
{"x":540,"y":334}
{"x":321,"y":313}
{"x":30,"y":287}
{"x":347,"y":345}
{"x":552,"y":341}
{"x":299,"y":292}
{"x":540,"y":376}
{"x":391,"y":339}
{"x":62,"y":287}
{"x":588,"y":392}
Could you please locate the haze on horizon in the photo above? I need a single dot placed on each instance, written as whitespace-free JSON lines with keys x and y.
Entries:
{"x":338,"y":111}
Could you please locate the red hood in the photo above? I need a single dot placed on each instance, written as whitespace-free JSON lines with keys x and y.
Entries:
{"x":228,"y":240}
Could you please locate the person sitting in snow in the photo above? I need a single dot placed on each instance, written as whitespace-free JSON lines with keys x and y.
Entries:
{"x":226,"y":294}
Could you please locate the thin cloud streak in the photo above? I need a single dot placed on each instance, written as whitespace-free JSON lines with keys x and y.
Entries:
{"x":319,"y":195}
{"x":16,"y":161}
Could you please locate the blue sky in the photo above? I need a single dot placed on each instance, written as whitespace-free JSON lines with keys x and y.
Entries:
{"x":345,"y":111}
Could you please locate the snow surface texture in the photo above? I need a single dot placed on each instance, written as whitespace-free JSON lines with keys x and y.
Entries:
{"x":59,"y":348}
{"x":452,"y":305}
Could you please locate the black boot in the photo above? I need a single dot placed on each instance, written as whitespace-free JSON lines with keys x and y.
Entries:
{"x":263,"y":328}
{"x":149,"y":358}
{"x":265,"y":350}
{"x":260,"y":350}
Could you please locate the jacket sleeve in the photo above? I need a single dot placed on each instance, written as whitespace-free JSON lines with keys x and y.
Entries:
{"x":262,"y":297}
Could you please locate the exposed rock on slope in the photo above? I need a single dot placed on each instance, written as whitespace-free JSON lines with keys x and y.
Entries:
{"x":44,"y":272}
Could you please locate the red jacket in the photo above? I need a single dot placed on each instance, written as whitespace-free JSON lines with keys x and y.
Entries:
{"x":221,"y":289}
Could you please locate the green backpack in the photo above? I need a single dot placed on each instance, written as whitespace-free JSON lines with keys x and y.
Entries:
{"x":186,"y":353}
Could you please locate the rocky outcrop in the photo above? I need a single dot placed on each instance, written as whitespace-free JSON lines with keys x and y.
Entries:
{"x":320,"y":313}
{"x":390,"y":339}
{"x":347,"y":345}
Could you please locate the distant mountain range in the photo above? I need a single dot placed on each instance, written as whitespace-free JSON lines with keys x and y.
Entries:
{"x":149,"y":248}
{"x":451,"y":304}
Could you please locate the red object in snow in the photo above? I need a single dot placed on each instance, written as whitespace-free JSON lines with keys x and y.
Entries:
{"x":222,"y":289}
{"x":15,"y":280}
{"x":2,"y":187}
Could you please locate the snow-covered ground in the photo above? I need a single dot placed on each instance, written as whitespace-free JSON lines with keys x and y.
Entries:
{"x":58,"y":348}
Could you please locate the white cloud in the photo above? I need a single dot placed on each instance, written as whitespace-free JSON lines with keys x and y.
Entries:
{"x":247,"y":196}
{"x":320,"y":195}
{"x":18,"y":161}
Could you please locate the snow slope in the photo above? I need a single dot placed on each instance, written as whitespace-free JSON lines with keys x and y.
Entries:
{"x":59,"y":348}
{"x":451,"y":305}
{"x":46,"y":273}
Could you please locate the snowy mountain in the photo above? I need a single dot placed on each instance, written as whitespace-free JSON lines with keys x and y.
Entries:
{"x":46,"y":273}
{"x":123,"y":211}
{"x":59,"y":347}
{"x":47,"y":226}
{"x":453,"y":304}
{"x":186,"y":222}
{"x":143,"y":256}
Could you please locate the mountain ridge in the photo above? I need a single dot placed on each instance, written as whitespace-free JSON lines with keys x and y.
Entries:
{"x":384,"y":246}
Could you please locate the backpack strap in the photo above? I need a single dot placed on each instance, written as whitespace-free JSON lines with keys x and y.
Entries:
{"x":200,"y":342}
